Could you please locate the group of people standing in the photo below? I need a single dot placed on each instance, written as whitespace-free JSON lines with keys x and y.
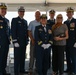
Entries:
{"x":53,"y":35}
{"x":19,"y":35}
{"x":45,"y":35}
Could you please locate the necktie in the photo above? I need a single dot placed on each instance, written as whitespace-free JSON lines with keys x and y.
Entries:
{"x":69,"y":21}
{"x":52,"y":20}
{"x":44,"y":28}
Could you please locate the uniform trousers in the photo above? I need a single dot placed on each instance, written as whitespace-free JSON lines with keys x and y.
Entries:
{"x":42,"y":60}
{"x":19,"y":59}
{"x":3,"y":58}
{"x":71,"y":59}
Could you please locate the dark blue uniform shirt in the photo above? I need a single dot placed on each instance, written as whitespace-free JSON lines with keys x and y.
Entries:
{"x":42,"y":37}
{"x":19,"y":31}
{"x":4,"y":31}
{"x":72,"y":31}
{"x":50,"y":22}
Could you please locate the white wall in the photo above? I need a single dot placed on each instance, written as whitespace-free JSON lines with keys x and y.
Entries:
{"x":29,"y":16}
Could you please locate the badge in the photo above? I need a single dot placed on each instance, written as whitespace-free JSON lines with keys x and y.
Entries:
{"x":49,"y":31}
{"x":40,"y":29}
{"x":19,"y":21}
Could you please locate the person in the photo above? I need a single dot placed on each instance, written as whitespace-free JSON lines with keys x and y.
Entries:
{"x":50,"y":23}
{"x":4,"y":39}
{"x":20,"y":39}
{"x":70,"y":49}
{"x":43,"y":41}
{"x":31,"y":29}
{"x":60,"y":34}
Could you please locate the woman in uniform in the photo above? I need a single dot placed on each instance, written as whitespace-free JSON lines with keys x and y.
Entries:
{"x":43,"y":41}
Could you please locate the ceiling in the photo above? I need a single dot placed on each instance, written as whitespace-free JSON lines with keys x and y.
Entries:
{"x":38,"y":1}
{"x":43,"y":5}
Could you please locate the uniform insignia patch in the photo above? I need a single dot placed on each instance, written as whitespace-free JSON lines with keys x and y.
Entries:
{"x":72,"y":25}
{"x":40,"y":29}
{"x":49,"y":31}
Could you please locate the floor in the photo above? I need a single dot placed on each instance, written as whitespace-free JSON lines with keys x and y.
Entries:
{"x":10,"y":62}
{"x":11,"y":70}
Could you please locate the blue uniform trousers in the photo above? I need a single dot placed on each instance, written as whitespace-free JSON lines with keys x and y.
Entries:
{"x":71,"y":59}
{"x":19,"y":59}
{"x":42,"y":60}
{"x":3,"y":58}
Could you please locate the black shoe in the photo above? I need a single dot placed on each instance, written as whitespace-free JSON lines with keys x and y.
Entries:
{"x":55,"y":73}
{"x":30,"y":73}
{"x":6,"y":74}
{"x":73,"y":73}
{"x":70,"y":73}
{"x":23,"y":72}
{"x":61,"y":74}
{"x":66,"y":71}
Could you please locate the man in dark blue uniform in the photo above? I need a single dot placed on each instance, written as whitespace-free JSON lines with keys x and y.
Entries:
{"x":4,"y":39}
{"x":51,"y":21}
{"x":71,"y":42}
{"x":20,"y":39}
{"x":43,"y":41}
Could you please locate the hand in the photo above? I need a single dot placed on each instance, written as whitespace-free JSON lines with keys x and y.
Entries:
{"x":16,"y":44}
{"x":58,"y":38}
{"x":75,"y":45}
{"x":44,"y":46}
{"x":48,"y":45}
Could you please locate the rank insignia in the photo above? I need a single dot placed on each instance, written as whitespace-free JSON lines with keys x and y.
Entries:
{"x":39,"y":42}
{"x":49,"y":31}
